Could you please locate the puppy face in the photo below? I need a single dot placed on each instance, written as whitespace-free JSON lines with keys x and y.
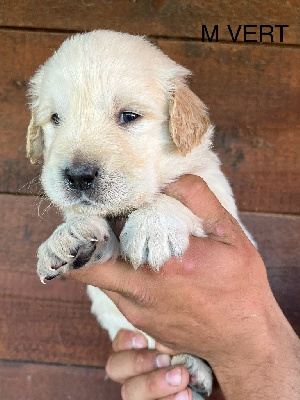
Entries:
{"x":101,"y":110}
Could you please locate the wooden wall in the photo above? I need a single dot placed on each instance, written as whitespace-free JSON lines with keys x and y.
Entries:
{"x":50,"y":346}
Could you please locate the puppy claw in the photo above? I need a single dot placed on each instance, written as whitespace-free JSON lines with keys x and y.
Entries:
{"x":50,"y":277}
{"x":84,"y":257}
{"x":73,"y":244}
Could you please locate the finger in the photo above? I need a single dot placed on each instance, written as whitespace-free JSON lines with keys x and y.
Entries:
{"x":127,"y":364}
{"x":156,"y":384}
{"x":186,"y":394}
{"x":125,"y":286}
{"x":128,"y":340}
{"x":114,"y":275}
{"x":193,"y":192}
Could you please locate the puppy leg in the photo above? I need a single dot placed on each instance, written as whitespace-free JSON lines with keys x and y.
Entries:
{"x":200,"y":373}
{"x":73,"y":244}
{"x":158,"y":231}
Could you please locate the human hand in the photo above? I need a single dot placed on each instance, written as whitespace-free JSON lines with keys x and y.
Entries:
{"x":215,"y":302}
{"x":211,"y":292}
{"x":145,"y":374}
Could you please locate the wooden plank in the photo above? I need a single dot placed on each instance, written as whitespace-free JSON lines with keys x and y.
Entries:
{"x":26,"y":284}
{"x":52,"y":323}
{"x":278,"y":236}
{"x":64,"y":332}
{"x":24,"y":230}
{"x":174,"y":18}
{"x":20,"y":381}
{"x":255,"y":106}
{"x":285,"y":284}
{"x":41,"y":322}
{"x":50,"y":331}
{"x":20,"y":56}
{"x":253,"y":103}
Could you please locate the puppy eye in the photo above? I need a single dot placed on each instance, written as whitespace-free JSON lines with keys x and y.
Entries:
{"x":128,"y":116}
{"x":55,"y":119}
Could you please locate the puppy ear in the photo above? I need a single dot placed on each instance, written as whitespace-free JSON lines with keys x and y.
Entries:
{"x":188,"y":119}
{"x":34,"y":144}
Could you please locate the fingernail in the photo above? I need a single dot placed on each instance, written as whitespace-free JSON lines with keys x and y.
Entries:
{"x":163,"y":360}
{"x":174,"y":376}
{"x":139,"y":342}
{"x":182,"y":396}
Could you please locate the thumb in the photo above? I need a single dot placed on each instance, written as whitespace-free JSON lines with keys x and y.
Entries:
{"x":115,"y":276}
{"x":120,"y":282}
{"x":193,"y":192}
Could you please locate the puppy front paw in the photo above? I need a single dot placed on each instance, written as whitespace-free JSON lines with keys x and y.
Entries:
{"x":157,"y":232}
{"x":73,"y":244}
{"x":152,"y":239}
{"x":200,"y":373}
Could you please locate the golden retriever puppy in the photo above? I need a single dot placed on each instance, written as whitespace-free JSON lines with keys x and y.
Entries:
{"x":116,"y":122}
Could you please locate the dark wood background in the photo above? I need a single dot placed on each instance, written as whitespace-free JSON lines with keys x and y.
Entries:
{"x":50,"y":345}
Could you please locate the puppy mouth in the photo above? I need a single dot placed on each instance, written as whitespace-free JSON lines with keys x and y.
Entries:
{"x":113,"y":207}
{"x":85,"y":201}
{"x":91,"y":197}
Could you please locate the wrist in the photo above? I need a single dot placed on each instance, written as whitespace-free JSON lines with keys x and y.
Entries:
{"x":266,"y":365}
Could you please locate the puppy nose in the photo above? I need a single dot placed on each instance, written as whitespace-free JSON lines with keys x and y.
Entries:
{"x":81,"y":177}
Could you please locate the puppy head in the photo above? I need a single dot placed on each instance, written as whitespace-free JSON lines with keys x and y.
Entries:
{"x":107,"y":111}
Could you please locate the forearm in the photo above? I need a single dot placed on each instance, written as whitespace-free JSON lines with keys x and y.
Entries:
{"x":267,"y":370}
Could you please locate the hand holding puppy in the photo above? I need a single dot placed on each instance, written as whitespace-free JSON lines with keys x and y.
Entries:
{"x":221,"y":289}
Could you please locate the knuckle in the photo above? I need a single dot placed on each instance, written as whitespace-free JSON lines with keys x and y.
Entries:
{"x":133,"y":314}
{"x":143,"y":295}
{"x":249,"y":254}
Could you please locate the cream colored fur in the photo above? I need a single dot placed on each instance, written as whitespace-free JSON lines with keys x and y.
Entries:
{"x":89,"y":82}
